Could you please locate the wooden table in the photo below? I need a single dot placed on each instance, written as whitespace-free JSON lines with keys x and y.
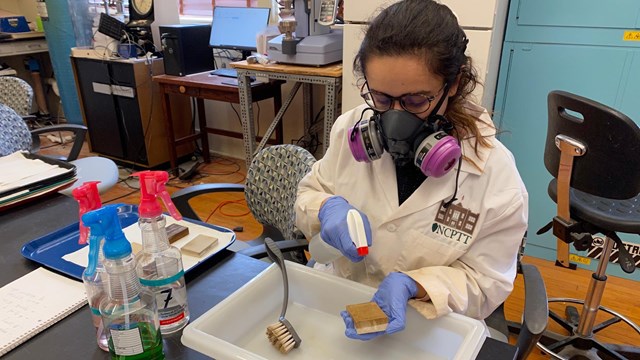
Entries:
{"x":330,"y":76}
{"x":204,"y":86}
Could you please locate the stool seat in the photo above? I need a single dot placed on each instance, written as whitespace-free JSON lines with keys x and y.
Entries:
{"x":607,"y":214}
{"x":94,"y":168}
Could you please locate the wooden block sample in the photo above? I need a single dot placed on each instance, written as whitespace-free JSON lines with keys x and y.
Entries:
{"x":176,"y":232}
{"x":368,"y":317}
{"x":199,"y":245}
{"x":135,"y":248}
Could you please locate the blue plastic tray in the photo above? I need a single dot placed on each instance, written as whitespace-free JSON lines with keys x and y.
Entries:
{"x":48,"y":250}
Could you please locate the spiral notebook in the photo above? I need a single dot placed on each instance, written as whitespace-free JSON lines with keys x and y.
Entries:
{"x":32,"y":303}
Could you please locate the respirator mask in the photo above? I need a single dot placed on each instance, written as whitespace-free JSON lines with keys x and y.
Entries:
{"x":407,"y":138}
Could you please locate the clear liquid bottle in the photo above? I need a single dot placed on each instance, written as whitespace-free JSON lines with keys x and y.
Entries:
{"x":94,"y":279}
{"x":129,"y":312}
{"x":94,"y":275}
{"x":159,"y":265}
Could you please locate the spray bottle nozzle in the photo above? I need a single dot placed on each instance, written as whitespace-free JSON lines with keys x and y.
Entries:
{"x":89,"y":199}
{"x":104,"y":222}
{"x":152,"y":186}
{"x":357,"y":232}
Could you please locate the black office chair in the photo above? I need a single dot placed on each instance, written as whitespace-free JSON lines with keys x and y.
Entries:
{"x":593,"y":152}
{"x":270,"y":191}
{"x":534,"y":315}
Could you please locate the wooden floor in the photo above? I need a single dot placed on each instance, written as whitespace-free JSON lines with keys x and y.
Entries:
{"x":230,"y":210}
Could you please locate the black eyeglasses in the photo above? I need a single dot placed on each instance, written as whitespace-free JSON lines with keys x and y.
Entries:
{"x":416,"y":103}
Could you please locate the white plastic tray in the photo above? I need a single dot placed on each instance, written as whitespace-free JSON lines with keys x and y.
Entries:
{"x":235,"y":328}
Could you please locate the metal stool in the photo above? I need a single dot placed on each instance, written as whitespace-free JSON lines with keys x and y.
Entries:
{"x":592,"y":151}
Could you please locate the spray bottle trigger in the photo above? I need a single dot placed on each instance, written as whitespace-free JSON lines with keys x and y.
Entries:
{"x":94,"y":246}
{"x":166,"y":199}
{"x":92,"y":221}
{"x":88,"y":199}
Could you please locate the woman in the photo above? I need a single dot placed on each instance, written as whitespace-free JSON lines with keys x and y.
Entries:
{"x":443,"y":204}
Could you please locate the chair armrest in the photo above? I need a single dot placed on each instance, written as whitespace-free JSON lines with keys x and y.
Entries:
{"x":28,"y":118}
{"x":181,"y":197}
{"x":259,"y":251}
{"x":79,"y":131}
{"x":536,"y":310}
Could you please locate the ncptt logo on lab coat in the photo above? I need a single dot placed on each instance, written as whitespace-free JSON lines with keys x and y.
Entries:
{"x":455,"y":222}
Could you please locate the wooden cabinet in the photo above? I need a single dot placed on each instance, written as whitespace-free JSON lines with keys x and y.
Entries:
{"x":122,"y":109}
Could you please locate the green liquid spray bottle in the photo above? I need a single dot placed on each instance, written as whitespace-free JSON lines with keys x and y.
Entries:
{"x":94,"y":274}
{"x":129,"y":312}
{"x":159,"y":265}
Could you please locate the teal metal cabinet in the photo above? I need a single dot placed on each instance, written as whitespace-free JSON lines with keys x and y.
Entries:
{"x":577,"y":46}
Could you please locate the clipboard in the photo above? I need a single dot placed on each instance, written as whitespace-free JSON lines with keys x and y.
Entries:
{"x":42,"y":184}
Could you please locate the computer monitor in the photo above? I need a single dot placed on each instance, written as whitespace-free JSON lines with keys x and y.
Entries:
{"x":236,"y":27}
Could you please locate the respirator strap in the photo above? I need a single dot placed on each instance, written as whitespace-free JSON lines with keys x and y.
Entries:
{"x":433,"y":116}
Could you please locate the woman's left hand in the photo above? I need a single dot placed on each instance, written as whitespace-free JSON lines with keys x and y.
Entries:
{"x":392,"y":296}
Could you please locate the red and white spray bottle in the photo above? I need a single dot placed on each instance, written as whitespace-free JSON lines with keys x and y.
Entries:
{"x":159,"y":264}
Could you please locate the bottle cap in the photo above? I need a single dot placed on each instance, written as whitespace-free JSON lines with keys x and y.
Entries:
{"x":152,"y":186}
{"x":105,"y":221}
{"x":88,"y":198}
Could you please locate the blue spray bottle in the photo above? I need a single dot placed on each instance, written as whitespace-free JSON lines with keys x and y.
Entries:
{"x":94,"y":275}
{"x":129,"y":312}
{"x":160,"y":264}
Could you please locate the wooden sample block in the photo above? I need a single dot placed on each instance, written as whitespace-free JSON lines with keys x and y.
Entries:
{"x":135,"y":248}
{"x":199,"y":245}
{"x":368,"y":317}
{"x":176,"y":232}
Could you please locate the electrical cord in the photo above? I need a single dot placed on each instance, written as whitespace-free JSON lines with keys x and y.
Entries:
{"x":120,"y":197}
{"x":222,"y":204}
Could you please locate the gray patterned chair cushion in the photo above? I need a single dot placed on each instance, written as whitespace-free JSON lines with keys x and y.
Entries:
{"x":272,"y":183}
{"x":16,"y":94}
{"x":14,"y":132}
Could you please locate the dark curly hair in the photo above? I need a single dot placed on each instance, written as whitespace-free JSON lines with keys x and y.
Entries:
{"x":430,"y":31}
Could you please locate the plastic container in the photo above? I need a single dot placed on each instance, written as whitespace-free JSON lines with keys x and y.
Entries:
{"x":321,"y":251}
{"x":235,"y":327}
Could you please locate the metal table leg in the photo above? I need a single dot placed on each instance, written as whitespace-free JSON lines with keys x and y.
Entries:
{"x":246,"y":115}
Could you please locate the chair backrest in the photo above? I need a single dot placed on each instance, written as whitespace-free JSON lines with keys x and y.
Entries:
{"x":14,"y":132}
{"x":272,"y":184}
{"x":610,"y":167}
{"x":16,"y":94}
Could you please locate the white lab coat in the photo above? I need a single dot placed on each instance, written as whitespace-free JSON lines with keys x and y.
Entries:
{"x":465,"y":271}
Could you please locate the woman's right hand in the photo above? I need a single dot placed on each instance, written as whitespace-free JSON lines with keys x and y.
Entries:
{"x":334,"y":229}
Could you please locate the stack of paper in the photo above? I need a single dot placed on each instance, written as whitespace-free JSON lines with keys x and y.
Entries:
{"x":26,"y":175}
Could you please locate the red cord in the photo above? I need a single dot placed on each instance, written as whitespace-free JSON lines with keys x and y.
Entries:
{"x":223,"y":204}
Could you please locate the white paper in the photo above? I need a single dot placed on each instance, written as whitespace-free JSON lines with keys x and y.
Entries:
{"x":34,"y":302}
{"x":17,"y":171}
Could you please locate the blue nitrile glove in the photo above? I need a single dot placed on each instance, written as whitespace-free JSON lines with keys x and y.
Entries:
{"x":392,"y":296}
{"x":334,"y":230}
